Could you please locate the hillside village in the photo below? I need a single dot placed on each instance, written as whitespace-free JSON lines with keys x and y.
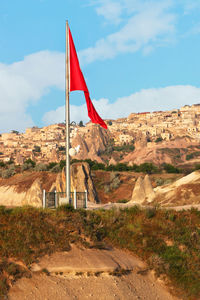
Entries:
{"x":47,"y":144}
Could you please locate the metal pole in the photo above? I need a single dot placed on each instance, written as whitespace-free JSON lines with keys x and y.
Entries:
{"x":67,"y":114}
{"x":86,"y":198}
{"x":56,"y":204}
{"x":43,"y":199}
{"x":75,"y":200}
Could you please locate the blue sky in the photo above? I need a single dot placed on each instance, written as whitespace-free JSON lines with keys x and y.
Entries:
{"x":136,"y":56}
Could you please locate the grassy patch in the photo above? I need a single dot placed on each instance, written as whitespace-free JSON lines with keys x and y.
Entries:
{"x":168,"y":240}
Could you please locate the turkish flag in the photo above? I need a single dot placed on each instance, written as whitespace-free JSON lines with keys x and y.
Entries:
{"x":77,"y":83}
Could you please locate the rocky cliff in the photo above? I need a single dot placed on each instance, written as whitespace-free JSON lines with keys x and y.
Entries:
{"x":27,"y":188}
{"x":184,"y":191}
{"x":81,"y":181}
{"x":143,"y":191}
{"x":92,"y":143}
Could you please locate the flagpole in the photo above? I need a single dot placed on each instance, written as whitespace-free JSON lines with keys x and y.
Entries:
{"x":67,"y":114}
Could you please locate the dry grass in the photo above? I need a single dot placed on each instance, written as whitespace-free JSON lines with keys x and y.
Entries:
{"x":22,"y":182}
{"x":27,"y":234}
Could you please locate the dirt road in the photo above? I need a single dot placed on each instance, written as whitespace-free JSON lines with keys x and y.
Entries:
{"x":90,"y":274}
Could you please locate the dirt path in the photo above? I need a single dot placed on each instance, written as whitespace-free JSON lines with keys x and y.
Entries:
{"x":94,"y":206}
{"x":90,"y":274}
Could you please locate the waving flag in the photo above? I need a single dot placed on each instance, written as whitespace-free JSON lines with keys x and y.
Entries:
{"x":77,"y":83}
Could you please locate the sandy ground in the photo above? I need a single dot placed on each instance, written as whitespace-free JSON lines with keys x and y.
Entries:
{"x":92,"y":206}
{"x":86,"y":274}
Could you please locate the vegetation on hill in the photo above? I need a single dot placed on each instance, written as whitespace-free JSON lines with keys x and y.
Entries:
{"x":9,"y":169}
{"x":168,"y":241}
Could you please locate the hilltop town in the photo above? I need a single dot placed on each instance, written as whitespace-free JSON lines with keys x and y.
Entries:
{"x":143,"y":130}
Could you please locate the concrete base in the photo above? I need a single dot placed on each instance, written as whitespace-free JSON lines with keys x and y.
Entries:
{"x":63,"y":201}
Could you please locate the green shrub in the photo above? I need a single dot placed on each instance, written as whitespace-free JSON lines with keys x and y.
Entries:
{"x":62,"y":164}
{"x":170,"y":168}
{"x":148,"y":168}
{"x":150,"y":213}
{"x":2,"y":164}
{"x":122,"y":201}
{"x":124,"y":148}
{"x":9,"y":172}
{"x":98,"y":166}
{"x":197,"y":167}
{"x":51,"y":165}
{"x":115,"y":183}
{"x":65,"y":208}
{"x":40,"y":167}
{"x":107,"y":188}
{"x":189,"y":156}
{"x":36,"y":149}
{"x":159,"y":139}
{"x":55,"y":169}
{"x":26,"y":166}
{"x":30,"y":161}
{"x":61,"y":149}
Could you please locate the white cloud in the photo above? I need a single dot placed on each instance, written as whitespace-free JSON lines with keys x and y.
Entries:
{"x":110,"y":10}
{"x":152,"y":25}
{"x":167,"y":98}
{"x":25,"y":82}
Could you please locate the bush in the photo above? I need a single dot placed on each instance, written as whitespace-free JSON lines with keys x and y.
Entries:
{"x":51,"y":165}
{"x":61,"y":148}
{"x":36,"y":149}
{"x":98,"y":166}
{"x":115,"y":183}
{"x":65,"y":208}
{"x":55,"y":169}
{"x":122,"y":201}
{"x":30,"y":161}
{"x":192,"y":155}
{"x":106,"y":188}
{"x":150,"y":213}
{"x":10,"y":162}
{"x":170,"y":168}
{"x":62,"y":164}
{"x":118,"y":167}
{"x":159,"y":181}
{"x":9,"y":172}
{"x":148,"y":168}
{"x":189,"y":156}
{"x":41,"y":167}
{"x":2,"y":164}
{"x":159,"y":139}
{"x":81,"y":124}
{"x":124,"y":148}
{"x":26,"y":166}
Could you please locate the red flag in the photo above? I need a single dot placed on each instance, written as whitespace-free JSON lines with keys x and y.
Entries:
{"x":77,"y":82}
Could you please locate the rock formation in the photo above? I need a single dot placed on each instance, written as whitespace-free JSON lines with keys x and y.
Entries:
{"x":33,"y":196}
{"x":184,"y":191}
{"x":143,"y":191}
{"x":149,"y":192}
{"x":112,"y":161}
{"x":81,"y":180}
{"x":27,"y":189}
{"x":141,"y":141}
{"x":138,"y":192}
{"x":92,"y":142}
{"x":9,"y":196}
{"x":19,"y":159}
{"x":54,"y":156}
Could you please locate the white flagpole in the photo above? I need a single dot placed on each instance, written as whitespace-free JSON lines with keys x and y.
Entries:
{"x":67,"y":114}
